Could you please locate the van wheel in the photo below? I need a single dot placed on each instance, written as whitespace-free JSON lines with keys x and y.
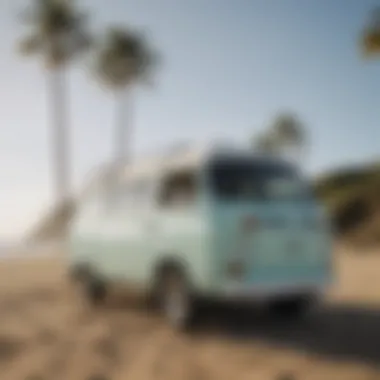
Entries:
{"x":92,"y":291}
{"x":296,"y":308}
{"x":175,"y":299}
{"x":95,"y":292}
{"x":77,"y":274}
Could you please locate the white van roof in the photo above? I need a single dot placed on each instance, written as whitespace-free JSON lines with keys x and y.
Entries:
{"x":176,"y":159}
{"x":186,"y":158}
{"x":189,"y":158}
{"x":146,"y":167}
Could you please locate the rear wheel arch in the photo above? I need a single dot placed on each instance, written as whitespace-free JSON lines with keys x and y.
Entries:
{"x":79,"y":271}
{"x":162,"y":292}
{"x":84,"y":271}
{"x":169,"y":263}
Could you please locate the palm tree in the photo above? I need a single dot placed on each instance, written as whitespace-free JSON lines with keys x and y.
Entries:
{"x":265,"y":143}
{"x":124,"y":59}
{"x":289,"y":133}
{"x":370,"y":39}
{"x":57,"y":34}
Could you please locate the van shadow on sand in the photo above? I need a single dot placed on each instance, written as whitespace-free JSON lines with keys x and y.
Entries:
{"x":337,"y":331}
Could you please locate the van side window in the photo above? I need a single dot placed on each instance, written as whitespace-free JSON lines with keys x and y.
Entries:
{"x":178,"y":190}
{"x":129,"y":195}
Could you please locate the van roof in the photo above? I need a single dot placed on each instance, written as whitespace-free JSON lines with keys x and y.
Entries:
{"x":187,"y":158}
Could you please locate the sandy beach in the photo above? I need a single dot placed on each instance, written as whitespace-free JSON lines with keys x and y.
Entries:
{"x":46,"y":333}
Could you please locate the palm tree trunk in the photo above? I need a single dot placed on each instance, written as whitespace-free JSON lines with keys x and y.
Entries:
{"x":59,"y":135}
{"x":123,"y":132}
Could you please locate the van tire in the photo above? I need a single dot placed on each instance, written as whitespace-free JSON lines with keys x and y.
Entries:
{"x":174,"y":298}
{"x":78,"y":273}
{"x":95,"y":292}
{"x":294,"y":309}
{"x":92,"y":290}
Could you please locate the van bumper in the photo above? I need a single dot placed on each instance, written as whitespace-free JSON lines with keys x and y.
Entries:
{"x":267,"y":293}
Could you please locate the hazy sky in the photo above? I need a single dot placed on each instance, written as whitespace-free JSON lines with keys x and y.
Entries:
{"x":227,"y":67}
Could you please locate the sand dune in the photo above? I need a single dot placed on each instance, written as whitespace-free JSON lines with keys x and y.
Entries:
{"x":46,"y":333}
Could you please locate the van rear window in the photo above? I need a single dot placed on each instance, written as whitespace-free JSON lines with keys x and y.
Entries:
{"x":254,"y":179}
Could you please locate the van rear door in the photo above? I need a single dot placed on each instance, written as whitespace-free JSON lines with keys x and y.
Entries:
{"x":266,"y":217}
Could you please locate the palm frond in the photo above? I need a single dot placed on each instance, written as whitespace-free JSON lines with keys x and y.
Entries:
{"x":288,"y":129}
{"x":124,"y":57}
{"x":265,"y":143}
{"x":370,"y":42}
{"x":59,"y":28}
{"x":30,"y":45}
{"x":370,"y":39}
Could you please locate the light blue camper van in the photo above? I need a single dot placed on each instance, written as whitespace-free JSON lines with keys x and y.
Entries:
{"x":219,"y":223}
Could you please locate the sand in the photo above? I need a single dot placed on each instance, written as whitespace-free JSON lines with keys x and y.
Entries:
{"x":47,"y":333}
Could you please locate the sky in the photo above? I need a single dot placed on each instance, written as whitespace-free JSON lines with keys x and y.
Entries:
{"x":226,"y":68}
